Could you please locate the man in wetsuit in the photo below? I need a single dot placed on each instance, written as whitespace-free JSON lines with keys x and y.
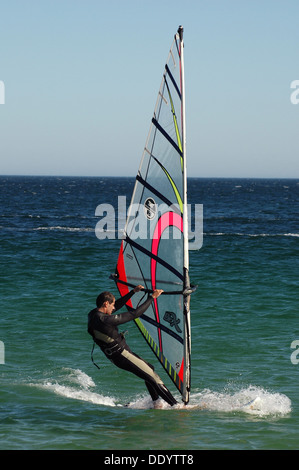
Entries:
{"x":102,"y":326}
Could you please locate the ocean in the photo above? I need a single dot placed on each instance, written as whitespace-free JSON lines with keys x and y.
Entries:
{"x":244,"y":313}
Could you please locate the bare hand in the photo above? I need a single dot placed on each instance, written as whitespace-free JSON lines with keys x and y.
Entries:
{"x":138,"y":288}
{"x":156,"y":293}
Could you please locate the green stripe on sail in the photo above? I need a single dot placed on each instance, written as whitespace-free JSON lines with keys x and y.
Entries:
{"x":175,"y":125}
{"x":175,"y":189}
{"x":176,"y":192}
{"x":167,"y":366}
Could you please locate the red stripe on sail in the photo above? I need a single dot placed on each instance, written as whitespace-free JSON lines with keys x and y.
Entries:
{"x":123,"y":289}
{"x":166,"y":220}
{"x":181,"y":372}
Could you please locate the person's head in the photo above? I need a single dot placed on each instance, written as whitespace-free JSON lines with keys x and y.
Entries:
{"x":105,"y":301}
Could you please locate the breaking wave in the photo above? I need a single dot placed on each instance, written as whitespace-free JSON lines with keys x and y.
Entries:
{"x":75,"y":384}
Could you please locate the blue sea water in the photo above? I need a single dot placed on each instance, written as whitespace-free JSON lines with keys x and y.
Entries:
{"x":245,"y":334}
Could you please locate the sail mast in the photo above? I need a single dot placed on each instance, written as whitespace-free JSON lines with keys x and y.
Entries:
{"x":187,"y":342}
{"x":185,"y":213}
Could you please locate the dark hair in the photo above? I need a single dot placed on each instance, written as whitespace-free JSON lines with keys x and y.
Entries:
{"x":104,"y":297}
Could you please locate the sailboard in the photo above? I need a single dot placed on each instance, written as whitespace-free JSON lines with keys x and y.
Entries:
{"x":154,"y":248}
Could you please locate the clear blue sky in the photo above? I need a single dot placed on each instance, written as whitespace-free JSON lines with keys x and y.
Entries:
{"x":81,"y":80}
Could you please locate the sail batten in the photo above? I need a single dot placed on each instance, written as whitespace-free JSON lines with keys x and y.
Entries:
{"x":157,"y":255}
{"x":167,"y":136}
{"x":173,"y":81}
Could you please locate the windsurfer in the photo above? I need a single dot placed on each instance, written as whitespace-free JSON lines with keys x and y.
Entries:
{"x":103,"y":327}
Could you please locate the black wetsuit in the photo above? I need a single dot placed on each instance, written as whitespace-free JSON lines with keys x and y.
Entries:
{"x":103,"y":329}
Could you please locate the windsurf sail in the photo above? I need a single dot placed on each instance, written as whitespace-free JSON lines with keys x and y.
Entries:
{"x":154,"y":249}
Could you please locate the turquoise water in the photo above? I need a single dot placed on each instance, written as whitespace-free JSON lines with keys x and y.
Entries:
{"x":244,"y":320}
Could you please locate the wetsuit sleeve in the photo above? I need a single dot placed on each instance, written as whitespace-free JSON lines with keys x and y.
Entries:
{"x":119,"y":303}
{"x":128,"y":316}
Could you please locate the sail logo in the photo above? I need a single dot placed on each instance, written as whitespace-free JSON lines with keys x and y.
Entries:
{"x":2,"y":92}
{"x":142,"y":221}
{"x":2,"y":352}
{"x":150,"y":208}
{"x":170,"y":317}
{"x":295,"y":94}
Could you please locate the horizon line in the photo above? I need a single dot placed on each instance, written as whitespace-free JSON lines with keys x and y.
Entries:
{"x":134,"y":176}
